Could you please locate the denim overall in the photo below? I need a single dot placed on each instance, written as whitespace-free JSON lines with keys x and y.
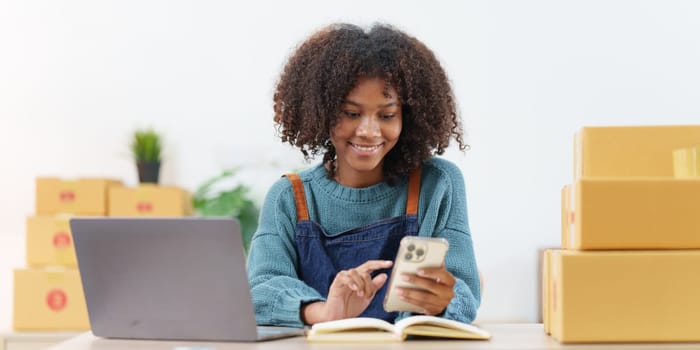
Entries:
{"x":322,"y":257}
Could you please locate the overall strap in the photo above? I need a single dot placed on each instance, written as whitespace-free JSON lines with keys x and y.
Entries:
{"x":413,"y":192}
{"x":299,"y":196}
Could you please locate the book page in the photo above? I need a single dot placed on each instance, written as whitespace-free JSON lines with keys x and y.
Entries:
{"x":357,"y":323}
{"x":439,"y":327}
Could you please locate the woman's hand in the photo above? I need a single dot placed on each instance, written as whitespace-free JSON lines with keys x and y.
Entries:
{"x":350,"y":293}
{"x":439,"y":289}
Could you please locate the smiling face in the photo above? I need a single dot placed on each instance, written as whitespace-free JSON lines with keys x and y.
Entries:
{"x":368,"y":128}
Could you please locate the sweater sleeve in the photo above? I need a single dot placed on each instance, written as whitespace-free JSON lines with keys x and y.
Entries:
{"x":276,"y":289}
{"x":462,"y":265}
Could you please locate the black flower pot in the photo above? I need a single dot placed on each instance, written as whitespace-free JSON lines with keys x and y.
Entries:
{"x":148,"y":172}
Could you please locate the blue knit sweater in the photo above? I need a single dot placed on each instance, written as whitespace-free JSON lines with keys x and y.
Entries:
{"x":277,"y":291}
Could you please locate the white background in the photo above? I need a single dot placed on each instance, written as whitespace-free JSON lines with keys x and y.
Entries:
{"x":76,"y":77}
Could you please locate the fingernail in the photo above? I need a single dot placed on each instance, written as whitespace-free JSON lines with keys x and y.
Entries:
{"x":399,"y":291}
{"x":421,"y":272}
{"x":405,"y":278}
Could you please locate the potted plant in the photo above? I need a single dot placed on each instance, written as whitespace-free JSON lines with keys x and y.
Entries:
{"x":217,"y":197}
{"x":146,"y":149}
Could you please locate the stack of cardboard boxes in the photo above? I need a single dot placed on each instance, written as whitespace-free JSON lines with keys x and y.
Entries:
{"x":629,"y":267}
{"x":48,"y":294}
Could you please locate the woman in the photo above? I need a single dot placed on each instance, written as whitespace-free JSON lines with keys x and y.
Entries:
{"x":379,"y":106}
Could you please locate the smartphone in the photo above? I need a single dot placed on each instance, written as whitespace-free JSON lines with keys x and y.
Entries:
{"x":414,"y":253}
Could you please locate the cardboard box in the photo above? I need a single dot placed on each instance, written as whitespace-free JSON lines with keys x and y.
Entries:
{"x":49,"y":299}
{"x":567,"y":216}
{"x":546,"y":302}
{"x":149,"y":200}
{"x":633,"y":213}
{"x":630,"y":150}
{"x":49,"y":242}
{"x":624,"y":296}
{"x":83,"y":196}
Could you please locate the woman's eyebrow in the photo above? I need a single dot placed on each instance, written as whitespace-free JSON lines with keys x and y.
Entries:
{"x":350,"y":102}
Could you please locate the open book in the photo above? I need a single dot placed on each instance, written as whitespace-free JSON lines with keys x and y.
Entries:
{"x":366,"y":329}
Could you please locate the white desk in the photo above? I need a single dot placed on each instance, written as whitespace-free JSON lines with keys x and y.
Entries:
{"x":32,"y":340}
{"x":504,"y":336}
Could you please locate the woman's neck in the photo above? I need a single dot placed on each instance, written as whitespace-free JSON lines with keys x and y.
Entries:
{"x":357,"y":179}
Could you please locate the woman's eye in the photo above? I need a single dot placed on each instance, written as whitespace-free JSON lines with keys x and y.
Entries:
{"x":351,"y":114}
{"x":388,"y":116}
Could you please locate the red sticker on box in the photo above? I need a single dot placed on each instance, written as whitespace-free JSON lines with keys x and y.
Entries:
{"x":56,"y":299}
{"x":61,"y":240}
{"x":66,"y":196}
{"x":144,"y":207}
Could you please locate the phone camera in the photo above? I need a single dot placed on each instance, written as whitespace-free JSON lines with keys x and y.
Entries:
{"x":411,"y":247}
{"x":419,"y":252}
{"x":408,"y":256}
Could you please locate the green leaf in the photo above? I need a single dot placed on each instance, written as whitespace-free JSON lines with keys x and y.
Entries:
{"x":146,"y":146}
{"x":228,"y":202}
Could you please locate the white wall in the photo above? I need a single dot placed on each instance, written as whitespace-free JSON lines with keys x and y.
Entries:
{"x":76,"y":77}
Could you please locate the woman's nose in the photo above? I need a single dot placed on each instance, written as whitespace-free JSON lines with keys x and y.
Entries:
{"x":369,"y":127}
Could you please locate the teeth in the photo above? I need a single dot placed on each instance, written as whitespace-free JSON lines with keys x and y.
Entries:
{"x":366,"y":148}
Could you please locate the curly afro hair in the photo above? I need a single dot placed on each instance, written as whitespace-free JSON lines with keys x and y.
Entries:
{"x":325,"y":68}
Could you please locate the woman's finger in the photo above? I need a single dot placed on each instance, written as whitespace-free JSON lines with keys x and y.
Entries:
{"x":362,"y":281}
{"x":438,"y":274}
{"x":429,"y":302}
{"x":433,"y":286}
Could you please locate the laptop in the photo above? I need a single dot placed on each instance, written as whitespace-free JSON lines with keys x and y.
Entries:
{"x":167,"y":279}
